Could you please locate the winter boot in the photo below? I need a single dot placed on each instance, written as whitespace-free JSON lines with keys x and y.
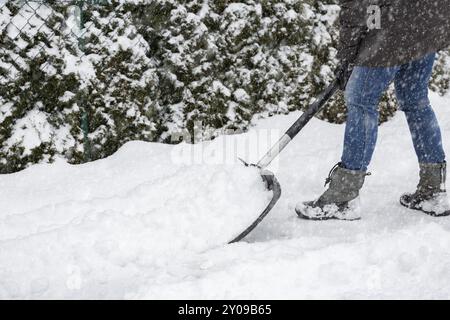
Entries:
{"x":340,"y":200}
{"x":430,"y":196}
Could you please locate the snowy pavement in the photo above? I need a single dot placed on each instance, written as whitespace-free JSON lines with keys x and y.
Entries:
{"x":144,"y":224}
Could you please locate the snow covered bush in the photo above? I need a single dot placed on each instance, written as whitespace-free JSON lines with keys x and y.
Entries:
{"x":145,"y":69}
{"x":120,"y":88}
{"x":222,"y":62}
{"x":79,"y":94}
{"x":441,"y":76}
{"x":36,"y":94}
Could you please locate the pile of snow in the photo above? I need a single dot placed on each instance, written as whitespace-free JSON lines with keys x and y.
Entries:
{"x":105,"y":219}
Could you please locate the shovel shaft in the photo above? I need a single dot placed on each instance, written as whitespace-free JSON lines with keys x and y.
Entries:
{"x":274,"y":151}
{"x":298,"y":125}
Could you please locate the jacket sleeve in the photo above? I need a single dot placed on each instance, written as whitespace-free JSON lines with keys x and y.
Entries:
{"x":353,"y":26}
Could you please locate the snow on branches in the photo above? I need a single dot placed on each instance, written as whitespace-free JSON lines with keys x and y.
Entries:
{"x":107,"y":72}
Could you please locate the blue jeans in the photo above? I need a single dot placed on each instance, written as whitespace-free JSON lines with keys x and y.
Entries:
{"x":362,"y":95}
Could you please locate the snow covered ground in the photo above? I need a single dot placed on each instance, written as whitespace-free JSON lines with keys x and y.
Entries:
{"x":146,"y":223}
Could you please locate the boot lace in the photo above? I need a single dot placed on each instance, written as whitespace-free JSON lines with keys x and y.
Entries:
{"x":330,"y":174}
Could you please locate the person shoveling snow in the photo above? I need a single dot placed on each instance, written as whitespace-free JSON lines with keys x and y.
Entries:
{"x":401,"y":48}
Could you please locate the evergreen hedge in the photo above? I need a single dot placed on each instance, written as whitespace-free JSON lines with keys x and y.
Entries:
{"x":145,"y":69}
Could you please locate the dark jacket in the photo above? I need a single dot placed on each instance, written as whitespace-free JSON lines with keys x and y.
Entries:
{"x":410,"y":29}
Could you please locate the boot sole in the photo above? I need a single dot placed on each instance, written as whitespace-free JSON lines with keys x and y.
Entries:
{"x":429,"y":213}
{"x":304,"y":217}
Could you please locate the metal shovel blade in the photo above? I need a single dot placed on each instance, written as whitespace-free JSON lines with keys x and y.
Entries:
{"x":271,"y":184}
{"x":267,"y":176}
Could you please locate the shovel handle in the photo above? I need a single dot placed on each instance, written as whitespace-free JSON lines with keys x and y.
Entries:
{"x":298,"y":125}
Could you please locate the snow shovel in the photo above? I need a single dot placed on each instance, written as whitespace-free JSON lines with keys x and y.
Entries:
{"x":267,"y":176}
